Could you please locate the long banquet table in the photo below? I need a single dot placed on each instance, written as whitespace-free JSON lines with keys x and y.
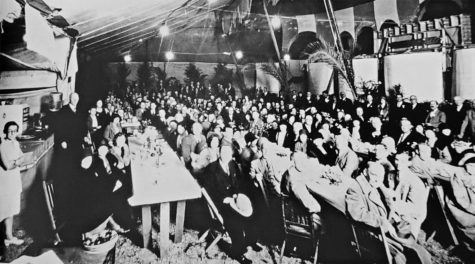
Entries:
{"x":160,"y":182}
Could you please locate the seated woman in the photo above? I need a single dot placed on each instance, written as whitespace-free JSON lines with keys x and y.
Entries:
{"x":112,"y":129}
{"x":121,"y":152}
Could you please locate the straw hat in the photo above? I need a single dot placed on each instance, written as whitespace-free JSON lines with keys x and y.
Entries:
{"x":242,"y":205}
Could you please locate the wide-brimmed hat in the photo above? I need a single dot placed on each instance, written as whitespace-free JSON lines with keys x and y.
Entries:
{"x":242,"y":205}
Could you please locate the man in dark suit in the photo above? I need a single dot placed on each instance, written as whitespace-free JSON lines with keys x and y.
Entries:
{"x":284,"y":138}
{"x":324,"y":103}
{"x":309,"y":101}
{"x":230,"y":117}
{"x":69,"y":134}
{"x":398,"y":109}
{"x":69,"y":130}
{"x":456,"y":114}
{"x":416,"y":112}
{"x":152,"y":115}
{"x":408,"y":138}
{"x":344,"y":104}
{"x":223,"y":182}
{"x":370,"y":107}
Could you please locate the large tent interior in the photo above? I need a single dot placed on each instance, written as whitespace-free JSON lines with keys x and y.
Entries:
{"x":51,"y":49}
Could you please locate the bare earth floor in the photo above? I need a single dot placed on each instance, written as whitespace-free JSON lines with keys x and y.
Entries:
{"x":188,"y":252}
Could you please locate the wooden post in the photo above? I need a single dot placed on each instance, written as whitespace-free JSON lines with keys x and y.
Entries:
{"x":180,"y":220}
{"x":146,"y":225}
{"x":164,"y":228}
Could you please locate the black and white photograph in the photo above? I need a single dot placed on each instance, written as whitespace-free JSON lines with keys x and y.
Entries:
{"x":237,"y":131}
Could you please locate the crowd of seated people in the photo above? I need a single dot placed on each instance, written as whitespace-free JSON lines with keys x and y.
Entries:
{"x":374,"y":159}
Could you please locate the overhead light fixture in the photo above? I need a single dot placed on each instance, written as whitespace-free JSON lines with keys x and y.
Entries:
{"x":127,"y":58}
{"x":211,"y":1}
{"x":227,"y":53}
{"x":286,"y":57}
{"x":164,"y":30}
{"x":238,"y":54}
{"x":169,"y":55}
{"x":275,"y":21}
{"x":140,"y":40}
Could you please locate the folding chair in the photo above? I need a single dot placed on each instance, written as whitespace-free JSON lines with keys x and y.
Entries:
{"x":438,"y":192}
{"x":216,"y":227}
{"x":297,"y":224}
{"x":370,"y":244}
{"x":48,"y":191}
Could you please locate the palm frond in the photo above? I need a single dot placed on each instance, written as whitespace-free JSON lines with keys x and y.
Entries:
{"x":274,"y":71}
{"x":322,"y":51}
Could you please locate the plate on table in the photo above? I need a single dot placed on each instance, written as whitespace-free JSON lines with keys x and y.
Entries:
{"x":25,"y":137}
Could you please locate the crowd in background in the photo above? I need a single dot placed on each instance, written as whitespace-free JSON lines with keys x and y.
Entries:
{"x":375,"y":159}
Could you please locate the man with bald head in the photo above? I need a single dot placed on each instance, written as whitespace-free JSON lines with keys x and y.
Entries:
{"x":69,"y":128}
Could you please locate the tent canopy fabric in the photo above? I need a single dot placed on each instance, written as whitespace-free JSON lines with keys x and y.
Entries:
{"x":116,"y":26}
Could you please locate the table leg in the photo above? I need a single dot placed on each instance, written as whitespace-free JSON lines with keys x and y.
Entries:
{"x":180,"y":220}
{"x":146,"y":225}
{"x":164,"y":228}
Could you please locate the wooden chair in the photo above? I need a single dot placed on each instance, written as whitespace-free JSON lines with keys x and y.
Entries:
{"x":48,"y":191}
{"x":216,"y":230}
{"x":370,"y":244}
{"x":437,"y":193}
{"x":297,"y":224}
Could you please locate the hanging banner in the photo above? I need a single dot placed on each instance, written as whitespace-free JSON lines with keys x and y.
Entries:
{"x":345,"y":18}
{"x":306,"y":23}
{"x":463,"y":78}
{"x":320,"y":77}
{"x":419,"y":74}
{"x":385,"y":10}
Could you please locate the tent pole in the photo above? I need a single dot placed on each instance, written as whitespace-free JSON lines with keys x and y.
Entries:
{"x":282,"y":67}
{"x":337,"y":39}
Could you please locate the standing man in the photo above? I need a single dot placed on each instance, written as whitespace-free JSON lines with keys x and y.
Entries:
{"x":69,"y":135}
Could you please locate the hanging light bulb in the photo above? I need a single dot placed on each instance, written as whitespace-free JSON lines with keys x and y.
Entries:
{"x":169,"y":55}
{"x":127,"y":58}
{"x":275,"y":21}
{"x":238,"y":54}
{"x":164,"y":30}
{"x":286,"y":57}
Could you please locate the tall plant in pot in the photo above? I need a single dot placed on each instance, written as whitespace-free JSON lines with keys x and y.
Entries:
{"x":194,"y":74}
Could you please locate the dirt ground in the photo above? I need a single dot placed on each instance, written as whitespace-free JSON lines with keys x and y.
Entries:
{"x":188,"y":252}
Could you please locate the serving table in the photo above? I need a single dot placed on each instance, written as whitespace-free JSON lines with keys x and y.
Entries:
{"x":160,"y":177}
